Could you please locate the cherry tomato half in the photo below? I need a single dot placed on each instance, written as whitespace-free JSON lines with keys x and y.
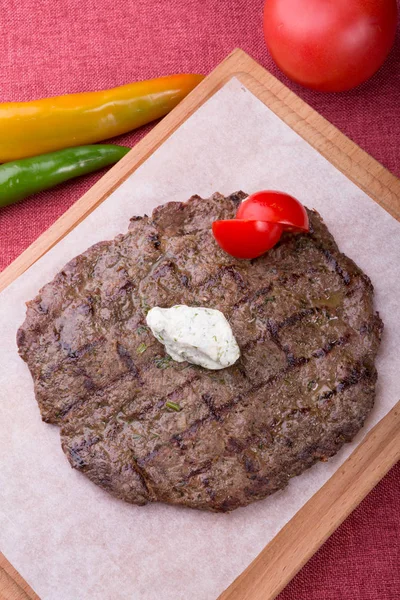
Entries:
{"x":245,"y":238}
{"x":275,"y":207}
{"x":329,"y":45}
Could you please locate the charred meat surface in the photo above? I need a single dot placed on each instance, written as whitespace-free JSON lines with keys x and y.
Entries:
{"x":146,"y":428}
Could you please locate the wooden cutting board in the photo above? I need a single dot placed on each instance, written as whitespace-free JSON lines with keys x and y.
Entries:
{"x":282,"y":558}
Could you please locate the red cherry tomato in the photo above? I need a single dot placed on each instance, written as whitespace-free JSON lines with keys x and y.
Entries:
{"x":329,"y":45}
{"x":244,"y":238}
{"x":275,"y":207}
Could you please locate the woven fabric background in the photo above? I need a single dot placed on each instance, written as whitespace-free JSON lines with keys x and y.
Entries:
{"x":53,"y":47}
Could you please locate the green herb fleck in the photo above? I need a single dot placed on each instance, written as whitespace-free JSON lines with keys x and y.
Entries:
{"x":215,"y":338}
{"x":145,"y":307}
{"x":173,"y":406}
{"x":142,"y":329}
{"x":141,"y":348}
{"x":163,"y":362}
{"x":269,"y":299}
{"x":136,"y":436}
{"x":312,"y":385}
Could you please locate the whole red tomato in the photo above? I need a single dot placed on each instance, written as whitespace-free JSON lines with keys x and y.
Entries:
{"x":329,"y":45}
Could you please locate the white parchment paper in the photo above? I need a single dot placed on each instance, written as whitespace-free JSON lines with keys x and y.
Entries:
{"x":69,"y":539}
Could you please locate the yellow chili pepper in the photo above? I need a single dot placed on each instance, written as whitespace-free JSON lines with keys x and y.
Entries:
{"x":40,"y":126}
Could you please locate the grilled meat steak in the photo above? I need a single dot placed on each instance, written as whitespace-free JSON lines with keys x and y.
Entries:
{"x":302,"y":315}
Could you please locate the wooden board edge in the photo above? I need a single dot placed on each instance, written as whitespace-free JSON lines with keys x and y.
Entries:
{"x":12,"y":585}
{"x":356,"y":164}
{"x":296,"y":543}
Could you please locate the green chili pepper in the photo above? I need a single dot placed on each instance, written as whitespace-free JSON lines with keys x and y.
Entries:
{"x":21,"y":178}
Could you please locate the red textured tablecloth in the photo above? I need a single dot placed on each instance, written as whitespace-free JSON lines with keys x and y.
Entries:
{"x":58,"y":46}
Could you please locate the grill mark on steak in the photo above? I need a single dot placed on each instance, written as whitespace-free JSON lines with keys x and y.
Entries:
{"x":162,"y":269}
{"x":238,"y":446}
{"x":175,"y":394}
{"x":128,"y":361}
{"x":125,"y":287}
{"x":133,"y":371}
{"x":208,"y":401}
{"x":96,"y":283}
{"x":185,"y":280}
{"x":295,"y":318}
{"x":341,"y":341}
{"x":368,"y":327}
{"x":71,"y":354}
{"x":79,"y":352}
{"x":344,"y":275}
{"x":357,"y":375}
{"x":155,"y":239}
{"x":273,"y":329}
{"x":249,"y":298}
{"x":145,"y":480}
{"x":98,"y":391}
{"x":236,"y":276}
{"x":152,"y":406}
{"x":212,"y":280}
{"x":202,"y":469}
{"x":251,"y":343}
{"x":75,"y":452}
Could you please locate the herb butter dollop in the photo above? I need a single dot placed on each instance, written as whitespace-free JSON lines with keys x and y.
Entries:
{"x":201,"y":336}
